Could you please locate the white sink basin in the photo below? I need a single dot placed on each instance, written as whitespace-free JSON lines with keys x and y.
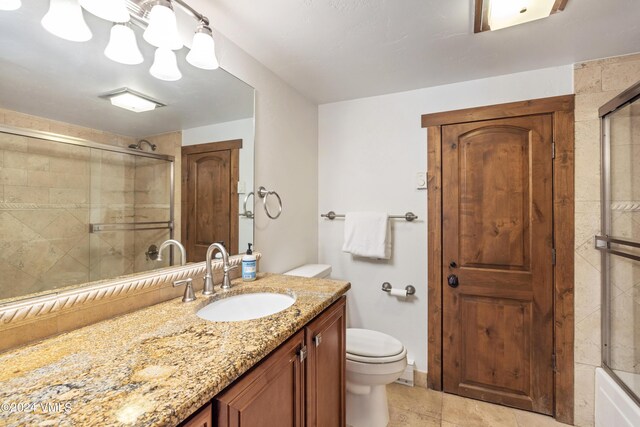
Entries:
{"x":245,"y":307}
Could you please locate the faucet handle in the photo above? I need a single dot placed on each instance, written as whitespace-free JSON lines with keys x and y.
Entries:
{"x":229,"y":268}
{"x":189,"y":295}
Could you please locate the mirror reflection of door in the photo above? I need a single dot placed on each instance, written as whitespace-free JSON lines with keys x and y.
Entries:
{"x":210,"y":174}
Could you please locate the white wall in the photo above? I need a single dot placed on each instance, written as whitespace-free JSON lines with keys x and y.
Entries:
{"x":369,"y":152}
{"x":286,"y":145}
{"x":237,"y":129}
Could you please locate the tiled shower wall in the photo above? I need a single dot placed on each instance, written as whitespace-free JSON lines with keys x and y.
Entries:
{"x":596,"y":82}
{"x":50,"y":193}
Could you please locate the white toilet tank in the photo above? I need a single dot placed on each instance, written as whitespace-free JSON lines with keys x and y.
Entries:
{"x":311,"y":270}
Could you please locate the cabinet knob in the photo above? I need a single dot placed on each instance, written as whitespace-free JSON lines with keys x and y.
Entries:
{"x":317,"y":340}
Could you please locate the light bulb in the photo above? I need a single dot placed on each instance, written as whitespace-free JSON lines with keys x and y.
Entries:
{"x":162,"y":30}
{"x":165,"y":65}
{"x":110,"y":10}
{"x":65,"y":20}
{"x":123,"y":47}
{"x":203,"y":49}
{"x":10,"y":4}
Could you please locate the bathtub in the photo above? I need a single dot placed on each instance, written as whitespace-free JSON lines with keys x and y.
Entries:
{"x":614,"y":408}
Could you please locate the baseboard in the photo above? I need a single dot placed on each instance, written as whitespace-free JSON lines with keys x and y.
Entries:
{"x":420,"y":379}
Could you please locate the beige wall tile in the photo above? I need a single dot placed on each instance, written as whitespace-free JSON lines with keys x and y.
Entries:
{"x":68,"y":196}
{"x":587,"y":289}
{"x":588,"y":79}
{"x":584,"y":395}
{"x":619,"y":76}
{"x":587,"y":104}
{"x":587,"y":339}
{"x":21,"y":194}
{"x":13,"y":176}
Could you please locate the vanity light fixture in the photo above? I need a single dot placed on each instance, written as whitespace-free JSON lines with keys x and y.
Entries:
{"x":162,"y":30}
{"x":110,"y":10}
{"x":65,"y":20}
{"x":131,"y":100}
{"x":10,"y":4}
{"x":203,"y":49}
{"x":165,"y":65}
{"x":123,"y":46}
{"x":494,"y":15}
{"x":157,"y":17}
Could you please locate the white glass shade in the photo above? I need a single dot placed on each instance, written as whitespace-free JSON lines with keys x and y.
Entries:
{"x":203,"y":52}
{"x":65,"y":20}
{"x":123,"y":47}
{"x":507,"y":13}
{"x":110,"y":10}
{"x":10,"y":4}
{"x":165,"y":65}
{"x":162,"y":30}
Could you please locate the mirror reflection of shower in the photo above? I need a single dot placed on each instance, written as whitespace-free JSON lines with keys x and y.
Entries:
{"x":138,"y":146}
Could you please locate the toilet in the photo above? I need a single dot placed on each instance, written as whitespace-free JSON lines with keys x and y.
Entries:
{"x":374,"y":360}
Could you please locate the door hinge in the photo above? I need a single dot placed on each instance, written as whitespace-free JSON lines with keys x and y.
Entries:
{"x":553,"y":150}
{"x":553,"y":362}
{"x":553,"y":256}
{"x":302,"y":353}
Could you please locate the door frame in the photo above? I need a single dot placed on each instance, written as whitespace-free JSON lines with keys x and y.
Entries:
{"x":562,"y":110}
{"x":233,"y":145}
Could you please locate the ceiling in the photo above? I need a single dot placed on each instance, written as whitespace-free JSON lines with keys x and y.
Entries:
{"x":49,"y":77}
{"x":331,"y":50}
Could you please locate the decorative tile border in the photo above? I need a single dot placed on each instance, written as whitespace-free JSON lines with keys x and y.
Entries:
{"x":39,"y":306}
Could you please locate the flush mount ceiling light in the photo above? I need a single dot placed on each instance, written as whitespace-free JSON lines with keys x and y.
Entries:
{"x":10,"y":4}
{"x":203,"y":49}
{"x":123,"y":47}
{"x":110,"y":10}
{"x":65,"y":20}
{"x":491,"y":15}
{"x":131,"y":100}
{"x":163,"y":28}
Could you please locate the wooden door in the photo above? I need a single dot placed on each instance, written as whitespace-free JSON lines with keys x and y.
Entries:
{"x":210,"y":197}
{"x":497,"y":242}
{"x":325,"y":373}
{"x":271,"y":395}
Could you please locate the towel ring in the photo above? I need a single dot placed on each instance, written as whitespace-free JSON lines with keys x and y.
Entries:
{"x":246,"y":213}
{"x":264,"y":194}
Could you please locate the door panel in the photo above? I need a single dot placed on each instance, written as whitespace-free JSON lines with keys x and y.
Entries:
{"x":497,"y":241}
{"x":210,"y":202}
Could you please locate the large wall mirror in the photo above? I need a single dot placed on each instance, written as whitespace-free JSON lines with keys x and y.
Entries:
{"x":83,"y":195}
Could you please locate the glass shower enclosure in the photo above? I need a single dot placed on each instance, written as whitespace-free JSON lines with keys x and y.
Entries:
{"x":74,"y":211}
{"x":620,"y":240}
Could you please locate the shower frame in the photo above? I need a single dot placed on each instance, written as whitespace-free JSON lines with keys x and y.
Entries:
{"x":603,"y":243}
{"x":69,"y":140}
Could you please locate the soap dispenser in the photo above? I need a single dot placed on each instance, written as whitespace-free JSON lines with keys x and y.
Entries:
{"x":249,"y":266}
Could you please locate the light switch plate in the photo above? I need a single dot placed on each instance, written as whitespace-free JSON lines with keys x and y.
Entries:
{"x":242,"y":187}
{"x":421,"y":180}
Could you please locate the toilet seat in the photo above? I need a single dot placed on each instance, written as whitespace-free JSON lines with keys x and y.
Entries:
{"x":367,"y":346}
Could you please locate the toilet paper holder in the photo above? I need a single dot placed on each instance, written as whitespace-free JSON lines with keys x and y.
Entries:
{"x":386,"y":286}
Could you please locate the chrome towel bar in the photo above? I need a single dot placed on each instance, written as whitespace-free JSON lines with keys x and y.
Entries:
{"x":409,"y":216}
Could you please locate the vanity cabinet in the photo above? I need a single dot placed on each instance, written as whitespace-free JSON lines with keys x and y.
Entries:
{"x":302,"y":383}
{"x":202,"y":418}
{"x":325,"y":369}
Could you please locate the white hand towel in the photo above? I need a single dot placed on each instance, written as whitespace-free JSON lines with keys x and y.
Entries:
{"x":367,"y":234}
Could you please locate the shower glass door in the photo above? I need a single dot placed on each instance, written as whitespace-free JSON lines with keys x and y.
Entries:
{"x":620,"y":242}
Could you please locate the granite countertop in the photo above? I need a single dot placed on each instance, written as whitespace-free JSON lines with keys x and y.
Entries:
{"x":152,"y":367}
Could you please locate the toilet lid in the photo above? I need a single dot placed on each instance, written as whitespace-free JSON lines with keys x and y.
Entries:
{"x":372,"y":344}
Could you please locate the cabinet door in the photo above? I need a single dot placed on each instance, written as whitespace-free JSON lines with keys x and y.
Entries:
{"x":270,"y":395}
{"x":202,"y":418}
{"x":325,"y":376}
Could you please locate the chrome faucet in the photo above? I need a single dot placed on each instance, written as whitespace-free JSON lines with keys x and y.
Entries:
{"x":166,"y":244}
{"x":208,"y":277}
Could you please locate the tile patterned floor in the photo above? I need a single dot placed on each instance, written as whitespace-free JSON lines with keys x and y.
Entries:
{"x":418,"y":407}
